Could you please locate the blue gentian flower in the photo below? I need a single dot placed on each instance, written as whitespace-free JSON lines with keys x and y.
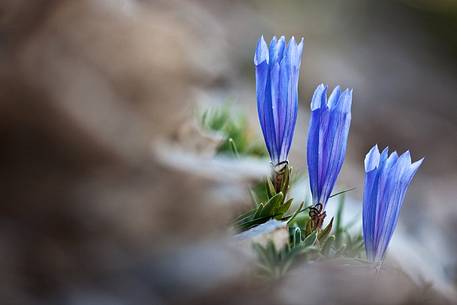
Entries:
{"x":327,"y":138}
{"x":386,"y":180}
{"x":277,"y":71}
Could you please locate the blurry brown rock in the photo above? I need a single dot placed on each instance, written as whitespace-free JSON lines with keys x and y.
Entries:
{"x":86,"y":87}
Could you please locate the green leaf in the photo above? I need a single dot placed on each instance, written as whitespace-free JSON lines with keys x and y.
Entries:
{"x":271,"y":206}
{"x":283,"y":208}
{"x":310,"y":250}
{"x":310,"y":240}
{"x":309,"y":227}
{"x":301,"y":218}
{"x":340,"y":250}
{"x":342,"y":192}
{"x":234,"y":148}
{"x":327,"y":245}
{"x":248,"y":214}
{"x":235,"y":128}
{"x":325,"y":232}
{"x":296,"y":213}
{"x":296,"y":237}
{"x":258,"y":212}
{"x":339,"y":221}
{"x":253,"y":196}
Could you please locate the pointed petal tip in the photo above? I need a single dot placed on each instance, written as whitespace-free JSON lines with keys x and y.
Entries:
{"x":316,"y":101}
{"x":262,"y":40}
{"x":334,"y":99}
{"x":261,"y":52}
{"x":375,"y":148}
{"x":372,"y":159}
{"x":344,"y":101}
{"x":407,"y":156}
{"x":292,"y":43}
{"x":418,"y":162}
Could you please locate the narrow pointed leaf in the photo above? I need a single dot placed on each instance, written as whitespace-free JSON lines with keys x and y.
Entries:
{"x":310,"y":240}
{"x":326,"y":231}
{"x":271,"y":206}
{"x":328,"y":244}
{"x":296,"y":213}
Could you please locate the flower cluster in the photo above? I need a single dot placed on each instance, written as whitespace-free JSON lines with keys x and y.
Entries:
{"x":387,"y":177}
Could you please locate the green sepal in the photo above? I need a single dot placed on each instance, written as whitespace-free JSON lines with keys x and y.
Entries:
{"x":286,"y":180}
{"x":270,"y":188}
{"x":309,"y":227}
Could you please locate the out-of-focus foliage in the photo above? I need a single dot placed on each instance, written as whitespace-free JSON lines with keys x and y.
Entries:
{"x":234,"y":127}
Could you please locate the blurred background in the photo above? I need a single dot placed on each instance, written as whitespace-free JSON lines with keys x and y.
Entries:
{"x":104,"y":200}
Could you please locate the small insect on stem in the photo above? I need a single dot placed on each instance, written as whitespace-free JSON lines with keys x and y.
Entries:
{"x":317,"y":215}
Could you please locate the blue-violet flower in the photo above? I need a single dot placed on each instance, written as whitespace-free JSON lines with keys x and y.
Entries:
{"x":386,"y":180}
{"x":327,"y":139}
{"x":277,"y":72}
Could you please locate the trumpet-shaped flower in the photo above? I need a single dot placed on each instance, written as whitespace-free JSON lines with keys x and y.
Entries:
{"x":277,"y":71}
{"x":327,"y":138}
{"x":386,"y":180}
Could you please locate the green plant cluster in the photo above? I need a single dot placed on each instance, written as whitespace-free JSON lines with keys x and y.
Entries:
{"x":306,"y":242}
{"x":233,"y":126}
{"x":333,"y":241}
{"x":268,"y":204}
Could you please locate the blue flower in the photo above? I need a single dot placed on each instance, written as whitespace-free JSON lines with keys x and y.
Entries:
{"x":327,"y":138}
{"x":386,"y":180}
{"x":277,"y":72}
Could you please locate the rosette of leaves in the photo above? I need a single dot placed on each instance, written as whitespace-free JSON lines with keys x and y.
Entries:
{"x":305,"y":245}
{"x":274,"y":205}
